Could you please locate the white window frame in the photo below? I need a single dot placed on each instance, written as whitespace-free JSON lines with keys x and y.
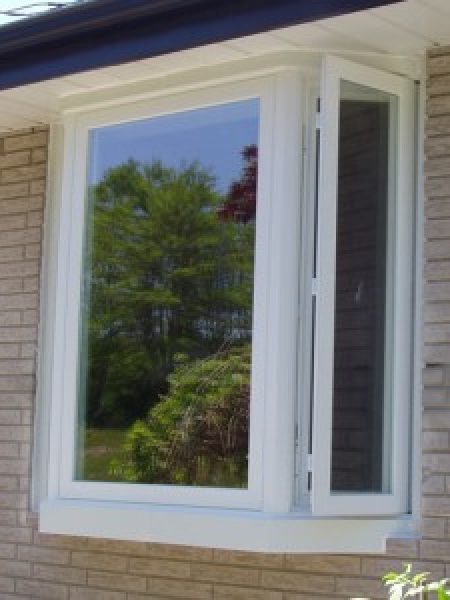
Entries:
{"x":275,"y":513}
{"x":268,"y":485}
{"x":398,"y":386}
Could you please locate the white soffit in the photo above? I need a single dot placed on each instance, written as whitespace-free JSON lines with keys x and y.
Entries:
{"x":403,"y":30}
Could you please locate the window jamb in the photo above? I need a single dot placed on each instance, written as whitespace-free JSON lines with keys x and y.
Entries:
{"x":306,"y":298}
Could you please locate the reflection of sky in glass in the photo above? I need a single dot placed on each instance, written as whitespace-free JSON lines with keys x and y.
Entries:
{"x":213,"y":136}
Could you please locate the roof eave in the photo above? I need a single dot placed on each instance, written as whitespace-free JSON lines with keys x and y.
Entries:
{"x":107,"y":32}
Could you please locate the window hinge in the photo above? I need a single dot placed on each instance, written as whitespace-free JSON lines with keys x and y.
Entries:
{"x":297,"y":451}
{"x":309,"y":463}
{"x":318,"y":121}
{"x":314,"y":286}
{"x":304,"y":147}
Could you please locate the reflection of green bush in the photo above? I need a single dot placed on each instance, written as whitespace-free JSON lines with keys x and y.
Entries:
{"x":198,"y":432}
{"x":164,"y":275}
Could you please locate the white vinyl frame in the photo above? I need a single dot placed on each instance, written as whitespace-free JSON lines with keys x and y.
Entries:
{"x":306,"y":329}
{"x":273,"y":390}
{"x":274,"y":515}
{"x":398,"y":356}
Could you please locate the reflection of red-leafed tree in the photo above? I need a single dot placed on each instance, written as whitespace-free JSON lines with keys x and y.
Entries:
{"x":240,"y":203}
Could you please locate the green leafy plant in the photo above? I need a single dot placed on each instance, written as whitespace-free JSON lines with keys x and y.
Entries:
{"x":197,"y":433}
{"x":407,"y":585}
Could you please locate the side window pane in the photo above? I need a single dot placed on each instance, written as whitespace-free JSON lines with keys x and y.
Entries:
{"x":166,"y":324}
{"x":361,"y":406}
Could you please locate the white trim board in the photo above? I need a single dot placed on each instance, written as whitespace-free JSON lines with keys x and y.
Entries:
{"x":234,"y":530}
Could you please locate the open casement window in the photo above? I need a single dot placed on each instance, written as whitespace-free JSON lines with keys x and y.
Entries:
{"x":363,"y":292}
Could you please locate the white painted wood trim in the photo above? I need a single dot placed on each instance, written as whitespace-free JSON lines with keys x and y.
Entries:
{"x":282,"y":275}
{"x":325,"y":292}
{"x":234,"y":530}
{"x":242,"y":69}
{"x":415,"y":467}
{"x":306,"y":293}
{"x":39,"y":481}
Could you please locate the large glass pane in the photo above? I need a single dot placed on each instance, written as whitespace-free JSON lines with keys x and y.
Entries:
{"x":165,"y":350}
{"x":361,"y":408}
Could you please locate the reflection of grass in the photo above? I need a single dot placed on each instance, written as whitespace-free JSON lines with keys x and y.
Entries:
{"x":102,"y":445}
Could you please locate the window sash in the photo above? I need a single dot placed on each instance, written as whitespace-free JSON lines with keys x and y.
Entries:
{"x":324,"y":502}
{"x":269,"y":487}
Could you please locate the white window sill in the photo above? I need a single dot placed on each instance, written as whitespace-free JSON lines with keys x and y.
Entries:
{"x":227,"y":529}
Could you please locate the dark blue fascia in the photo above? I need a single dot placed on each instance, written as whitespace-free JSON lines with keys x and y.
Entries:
{"x":109,"y":32}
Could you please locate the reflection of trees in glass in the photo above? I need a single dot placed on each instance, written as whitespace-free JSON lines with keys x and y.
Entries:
{"x":171,"y":277}
{"x":240,"y":203}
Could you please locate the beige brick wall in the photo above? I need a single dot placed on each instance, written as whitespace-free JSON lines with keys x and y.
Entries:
{"x":62,"y":568}
{"x":436,"y":397}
